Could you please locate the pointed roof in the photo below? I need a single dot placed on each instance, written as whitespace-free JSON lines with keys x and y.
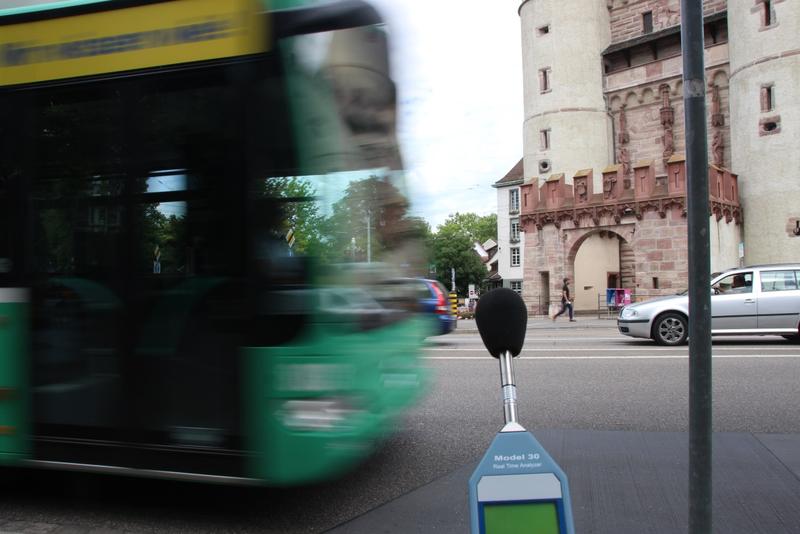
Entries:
{"x":513,"y":177}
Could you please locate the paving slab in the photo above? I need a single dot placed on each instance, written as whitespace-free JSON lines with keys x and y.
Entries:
{"x":629,"y":483}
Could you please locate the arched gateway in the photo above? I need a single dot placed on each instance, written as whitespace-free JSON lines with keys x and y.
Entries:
{"x":632,"y":234}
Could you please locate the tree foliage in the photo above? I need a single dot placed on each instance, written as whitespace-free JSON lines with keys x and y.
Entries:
{"x":298,"y":212}
{"x":452,"y":248}
{"x":367,"y":222}
{"x":371,"y":223}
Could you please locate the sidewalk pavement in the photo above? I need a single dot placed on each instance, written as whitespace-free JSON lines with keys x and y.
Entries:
{"x":628,"y":483}
{"x":542,"y":322}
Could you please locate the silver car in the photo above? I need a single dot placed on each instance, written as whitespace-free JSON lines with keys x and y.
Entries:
{"x":757,"y":300}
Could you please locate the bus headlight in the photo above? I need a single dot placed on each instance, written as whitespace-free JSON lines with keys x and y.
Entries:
{"x":326,"y":414}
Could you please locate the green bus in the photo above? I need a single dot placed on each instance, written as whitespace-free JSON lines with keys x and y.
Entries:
{"x":202,"y":217}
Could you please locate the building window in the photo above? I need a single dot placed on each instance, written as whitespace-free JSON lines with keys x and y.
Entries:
{"x":655,"y":282}
{"x":516,"y":285}
{"x":647,"y":22}
{"x":514,"y":235}
{"x":767,"y":15}
{"x":515,"y":256}
{"x":543,"y":30}
{"x":544,"y":80}
{"x":544,"y":139}
{"x":513,"y":201}
{"x":767,"y":98}
{"x":769,"y":125}
{"x":544,"y":165}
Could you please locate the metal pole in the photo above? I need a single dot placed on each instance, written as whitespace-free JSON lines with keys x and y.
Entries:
{"x":509,"y":388}
{"x":369,"y":236}
{"x":700,"y":446}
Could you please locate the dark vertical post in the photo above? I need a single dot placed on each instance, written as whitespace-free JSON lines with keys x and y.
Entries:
{"x":699,"y":268}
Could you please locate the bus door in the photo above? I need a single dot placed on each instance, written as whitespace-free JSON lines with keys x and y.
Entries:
{"x":75,"y":253}
{"x":14,"y":305}
{"x":137,"y":244}
{"x":186,"y":286}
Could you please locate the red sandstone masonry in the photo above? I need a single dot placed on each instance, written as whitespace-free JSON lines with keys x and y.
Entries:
{"x":626,"y":16}
{"x":652,"y":226}
{"x":644,"y":125}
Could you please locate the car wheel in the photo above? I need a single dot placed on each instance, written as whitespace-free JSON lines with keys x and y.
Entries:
{"x":670,"y":329}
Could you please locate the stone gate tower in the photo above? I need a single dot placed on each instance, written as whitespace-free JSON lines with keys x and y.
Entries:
{"x":603,"y":93}
{"x":765,"y":116}
{"x":565,"y":112}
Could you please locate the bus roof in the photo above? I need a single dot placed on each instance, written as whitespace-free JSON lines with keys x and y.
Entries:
{"x":33,"y":6}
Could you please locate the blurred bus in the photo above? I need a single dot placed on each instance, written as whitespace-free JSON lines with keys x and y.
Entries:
{"x":201,"y":203}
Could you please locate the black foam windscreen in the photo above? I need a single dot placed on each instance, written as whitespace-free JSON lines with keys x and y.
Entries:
{"x":502,"y":318}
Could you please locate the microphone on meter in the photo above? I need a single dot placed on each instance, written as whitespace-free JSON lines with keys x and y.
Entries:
{"x":516,"y":487}
{"x":502,"y":318}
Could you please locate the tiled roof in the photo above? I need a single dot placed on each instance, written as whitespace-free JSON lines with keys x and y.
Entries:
{"x":512,"y":177}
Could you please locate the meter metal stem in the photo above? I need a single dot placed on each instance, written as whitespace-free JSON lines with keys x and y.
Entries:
{"x":509,"y":388}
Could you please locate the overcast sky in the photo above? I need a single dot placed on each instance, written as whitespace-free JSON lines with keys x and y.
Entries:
{"x":458,"y":67}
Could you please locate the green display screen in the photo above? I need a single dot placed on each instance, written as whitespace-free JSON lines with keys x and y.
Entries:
{"x":523,"y":518}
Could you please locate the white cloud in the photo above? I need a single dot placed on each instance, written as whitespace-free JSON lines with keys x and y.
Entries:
{"x":458,"y":68}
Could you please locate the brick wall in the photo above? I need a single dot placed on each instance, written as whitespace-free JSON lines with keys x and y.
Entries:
{"x":626,"y":15}
{"x":661,"y":247}
{"x":655,"y":246}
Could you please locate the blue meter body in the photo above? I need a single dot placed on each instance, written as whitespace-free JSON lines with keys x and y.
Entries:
{"x":517,"y":488}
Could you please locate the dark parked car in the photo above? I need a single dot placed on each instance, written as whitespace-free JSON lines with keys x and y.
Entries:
{"x":433,"y":300}
{"x":428,"y":297}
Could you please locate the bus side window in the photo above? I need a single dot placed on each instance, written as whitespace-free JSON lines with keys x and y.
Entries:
{"x":5,"y":226}
{"x":5,"y":202}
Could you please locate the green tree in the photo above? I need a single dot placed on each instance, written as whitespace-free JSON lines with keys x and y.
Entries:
{"x":371,"y":209}
{"x":452,"y":247}
{"x":478,"y":228}
{"x":298,"y":212}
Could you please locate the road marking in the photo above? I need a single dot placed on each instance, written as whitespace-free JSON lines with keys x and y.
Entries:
{"x":557,"y":336}
{"x":665,"y":357}
{"x":577,"y":349}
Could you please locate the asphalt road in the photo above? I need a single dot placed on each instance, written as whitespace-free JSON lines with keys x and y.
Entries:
{"x":567,"y":377}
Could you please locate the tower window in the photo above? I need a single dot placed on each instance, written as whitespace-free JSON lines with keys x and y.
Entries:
{"x":769,"y":125}
{"x":647,"y":22}
{"x":767,"y":17}
{"x":767,"y":98}
{"x":544,"y":80}
{"x":544,"y":139}
{"x":543,"y":30}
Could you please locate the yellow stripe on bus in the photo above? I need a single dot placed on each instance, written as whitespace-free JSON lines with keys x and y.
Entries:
{"x":165,"y":33}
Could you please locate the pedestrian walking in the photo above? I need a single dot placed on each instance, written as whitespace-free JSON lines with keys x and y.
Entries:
{"x":566,"y":301}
